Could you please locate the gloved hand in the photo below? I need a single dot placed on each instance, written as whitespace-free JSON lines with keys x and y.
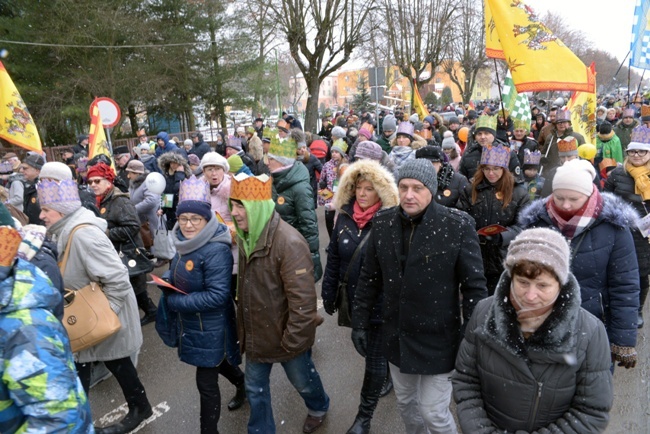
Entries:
{"x":164,"y":289}
{"x":360,"y":340}
{"x":496,"y":239}
{"x":625,"y":356}
{"x":330,"y":306}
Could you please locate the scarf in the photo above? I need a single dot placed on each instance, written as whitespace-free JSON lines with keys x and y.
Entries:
{"x":445,"y":174}
{"x":573,"y":225}
{"x":400,"y":154}
{"x":361,"y":217}
{"x":98,"y":199}
{"x":641,"y":177}
{"x":530,"y":319}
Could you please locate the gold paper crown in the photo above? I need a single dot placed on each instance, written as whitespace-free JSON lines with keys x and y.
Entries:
{"x":570,"y":144}
{"x":521,"y":124}
{"x":285,"y":148}
{"x":245,"y":187}
{"x":645,"y":110}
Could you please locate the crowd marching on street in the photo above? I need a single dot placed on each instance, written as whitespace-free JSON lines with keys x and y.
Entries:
{"x":496,"y":261}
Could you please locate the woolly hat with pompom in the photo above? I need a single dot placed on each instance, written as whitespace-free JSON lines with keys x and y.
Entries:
{"x":448,"y":140}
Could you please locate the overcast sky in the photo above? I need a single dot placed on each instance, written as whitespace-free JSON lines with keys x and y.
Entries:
{"x":608,"y":24}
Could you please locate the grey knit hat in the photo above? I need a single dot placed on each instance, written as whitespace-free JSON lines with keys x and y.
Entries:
{"x":421,"y":170}
{"x":389,"y":124}
{"x":448,"y":140}
{"x":338,"y":132}
{"x":541,"y":245}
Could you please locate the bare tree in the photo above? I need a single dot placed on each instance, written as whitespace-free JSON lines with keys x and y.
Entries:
{"x":466,"y":49}
{"x":417,"y":32}
{"x":322,"y":35}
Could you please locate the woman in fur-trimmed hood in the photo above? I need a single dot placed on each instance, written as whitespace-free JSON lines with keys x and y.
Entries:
{"x":365,"y":188}
{"x":175,"y":169}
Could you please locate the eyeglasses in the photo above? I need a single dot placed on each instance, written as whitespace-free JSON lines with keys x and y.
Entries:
{"x":196,"y":220}
{"x":95,"y":181}
{"x":639,"y":152}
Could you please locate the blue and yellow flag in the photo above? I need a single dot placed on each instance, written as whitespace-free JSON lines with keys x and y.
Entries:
{"x":537,"y":59}
{"x":16,"y":124}
{"x":640,"y":45}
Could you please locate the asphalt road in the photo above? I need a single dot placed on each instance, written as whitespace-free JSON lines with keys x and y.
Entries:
{"x":172,"y":390}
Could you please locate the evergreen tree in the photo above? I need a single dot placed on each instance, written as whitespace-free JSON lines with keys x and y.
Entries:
{"x":446,"y":98}
{"x":361,"y":101}
{"x":431,"y":98}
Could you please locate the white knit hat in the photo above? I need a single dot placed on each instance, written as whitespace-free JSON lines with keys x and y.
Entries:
{"x":543,"y":246}
{"x":55,"y":170}
{"x":575,"y":175}
{"x":215,"y":159}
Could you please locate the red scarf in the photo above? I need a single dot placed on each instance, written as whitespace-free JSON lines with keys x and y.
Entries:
{"x":361,"y":217}
{"x":98,"y":199}
{"x":572,"y":225}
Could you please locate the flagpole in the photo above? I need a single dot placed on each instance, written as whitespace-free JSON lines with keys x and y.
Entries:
{"x":496,"y":70}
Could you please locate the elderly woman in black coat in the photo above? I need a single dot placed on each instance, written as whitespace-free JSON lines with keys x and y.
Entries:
{"x":532,"y":359}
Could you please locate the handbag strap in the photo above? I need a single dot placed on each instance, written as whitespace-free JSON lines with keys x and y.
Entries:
{"x":66,"y":253}
{"x":354,"y":256}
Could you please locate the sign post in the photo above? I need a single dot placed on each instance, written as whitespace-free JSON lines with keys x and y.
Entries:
{"x":110,"y":114}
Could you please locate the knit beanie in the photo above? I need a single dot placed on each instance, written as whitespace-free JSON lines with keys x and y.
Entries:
{"x":193,"y":160}
{"x":414,"y":118}
{"x":368,"y":150}
{"x":55,"y":170}
{"x":448,"y":141}
{"x":421,"y":170}
{"x":389,"y":123}
{"x":215,"y":159}
{"x":188,"y":142}
{"x":338,"y":132}
{"x":234,"y":143}
{"x":340,"y":146}
{"x":102,"y":170}
{"x":235,"y":162}
{"x":35,"y":161}
{"x":431,"y":153}
{"x":575,"y":175}
{"x":543,"y":246}
{"x":365,"y":133}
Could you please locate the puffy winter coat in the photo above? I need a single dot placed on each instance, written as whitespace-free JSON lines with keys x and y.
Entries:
{"x":201,"y":148}
{"x":173,"y":181}
{"x":202,"y":267}
{"x":556,"y":381}
{"x":421,"y":308}
{"x":450,"y":186}
{"x":488,"y":210}
{"x":169,"y":146}
{"x":122,"y":218}
{"x":294,"y":202}
{"x":604,"y":263}
{"x":621,"y":184}
{"x":277,"y":323}
{"x":40,"y":391}
{"x":527,"y":144}
{"x":146,"y":202}
{"x":472,"y":158}
{"x":31,"y":207}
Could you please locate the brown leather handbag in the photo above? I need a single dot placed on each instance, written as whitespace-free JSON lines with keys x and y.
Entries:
{"x":87,"y":315}
{"x":145,"y":233}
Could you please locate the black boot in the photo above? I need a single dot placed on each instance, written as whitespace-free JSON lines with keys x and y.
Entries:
{"x":369,"y":398}
{"x":133,"y":418}
{"x":239,"y":399}
{"x":387,"y":387}
{"x":146,"y":305}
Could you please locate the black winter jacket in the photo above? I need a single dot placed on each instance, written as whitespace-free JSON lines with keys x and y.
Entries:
{"x":621,"y":184}
{"x":421,"y":309}
{"x":450,"y":186}
{"x":604,"y":263}
{"x":31,"y":207}
{"x":556,"y":381}
{"x":123,"y":222}
{"x":488,"y":210}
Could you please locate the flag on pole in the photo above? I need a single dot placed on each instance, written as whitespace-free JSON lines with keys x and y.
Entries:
{"x":583,"y":113}
{"x":418,"y":105}
{"x":515,"y":103}
{"x":537,"y":59}
{"x":97,"y":137}
{"x":640,"y":45}
{"x":16,"y":124}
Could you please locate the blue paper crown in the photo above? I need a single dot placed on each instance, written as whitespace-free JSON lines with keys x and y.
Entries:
{"x":532,"y":158}
{"x":194,"y":189}
{"x":640,"y":135}
{"x":496,"y":156}
{"x":53,"y":192}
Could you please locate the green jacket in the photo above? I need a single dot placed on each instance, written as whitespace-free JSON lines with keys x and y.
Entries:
{"x":610,"y":149}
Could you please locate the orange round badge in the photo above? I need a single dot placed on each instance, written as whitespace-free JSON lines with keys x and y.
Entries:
{"x":499,"y":195}
{"x":280,"y":200}
{"x":189,"y":265}
{"x":102,"y":211}
{"x":33,"y":200}
{"x":446,"y":193}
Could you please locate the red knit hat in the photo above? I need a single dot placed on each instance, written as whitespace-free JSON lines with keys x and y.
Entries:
{"x":101,"y":170}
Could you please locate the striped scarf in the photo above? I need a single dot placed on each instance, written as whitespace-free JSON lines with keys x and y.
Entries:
{"x":580,"y":220}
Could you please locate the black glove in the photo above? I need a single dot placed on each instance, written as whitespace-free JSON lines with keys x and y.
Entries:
{"x":330,"y":306}
{"x":491,"y":239}
{"x":360,"y":340}
{"x":164,"y":289}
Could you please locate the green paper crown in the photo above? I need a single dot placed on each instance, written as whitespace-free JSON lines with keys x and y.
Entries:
{"x":521,"y":124}
{"x":286,"y":148}
{"x":486,"y":121}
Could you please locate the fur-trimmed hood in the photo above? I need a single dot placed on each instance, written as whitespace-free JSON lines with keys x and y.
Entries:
{"x":558,"y":332}
{"x":166,"y":159}
{"x":615,"y":211}
{"x":381,"y":179}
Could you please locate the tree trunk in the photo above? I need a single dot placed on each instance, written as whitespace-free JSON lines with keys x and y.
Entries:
{"x":133,"y":119}
{"x":311,"y":112}
{"x":219,"y":105}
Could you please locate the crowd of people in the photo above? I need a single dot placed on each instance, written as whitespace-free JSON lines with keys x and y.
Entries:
{"x":500,"y":261}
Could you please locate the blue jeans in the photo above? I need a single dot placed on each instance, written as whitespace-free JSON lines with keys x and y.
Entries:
{"x":301,"y":373}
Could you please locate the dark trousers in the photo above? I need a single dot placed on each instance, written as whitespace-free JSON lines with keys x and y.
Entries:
{"x":207,"y":382}
{"x":329,"y":222}
{"x":644,"y":284}
{"x":375,"y":373}
{"x":127,"y":377}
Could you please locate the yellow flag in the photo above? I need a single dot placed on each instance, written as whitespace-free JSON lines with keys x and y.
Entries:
{"x":583,"y":113}
{"x":16,"y":124}
{"x":96,"y":137}
{"x":537,"y":59}
{"x":418,"y":105}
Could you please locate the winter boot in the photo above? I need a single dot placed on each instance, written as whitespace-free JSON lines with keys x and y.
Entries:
{"x":369,"y":398}
{"x":135,"y":416}
{"x":146,"y":305}
{"x":387,"y":387}
{"x":239,"y":399}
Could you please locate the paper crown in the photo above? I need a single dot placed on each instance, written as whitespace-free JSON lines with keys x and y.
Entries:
{"x":53,"y":192}
{"x":496,"y":156}
{"x":629,"y":113}
{"x":405,"y":128}
{"x":244,"y":187}
{"x":6,"y":167}
{"x":269,"y":132}
{"x":532,"y":158}
{"x":486,"y":122}
{"x":82,"y":164}
{"x":645,"y":112}
{"x":640,"y":135}
{"x":283,"y":148}
{"x":283,"y":125}
{"x":194,"y":189}
{"x":521,"y":124}
{"x":567,"y":146}
{"x":563,"y":116}
{"x":368,"y":127}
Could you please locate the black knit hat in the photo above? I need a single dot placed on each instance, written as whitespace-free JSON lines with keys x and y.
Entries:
{"x":431,"y":153}
{"x":421,"y":170}
{"x":35,"y":161}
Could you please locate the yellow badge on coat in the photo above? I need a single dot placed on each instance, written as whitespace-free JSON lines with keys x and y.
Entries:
{"x":447,"y":193}
{"x":499,"y":195}
{"x":280,"y":200}
{"x":102,"y":211}
{"x":33,"y":200}
{"x":189,"y":265}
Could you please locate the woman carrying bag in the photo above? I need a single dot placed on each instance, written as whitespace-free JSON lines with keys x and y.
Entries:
{"x":365,"y":188}
{"x":92,"y":258}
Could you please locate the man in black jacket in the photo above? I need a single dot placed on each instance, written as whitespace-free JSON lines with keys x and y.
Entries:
{"x":420,"y":257}
{"x":31,"y":170}
{"x":200,"y":146}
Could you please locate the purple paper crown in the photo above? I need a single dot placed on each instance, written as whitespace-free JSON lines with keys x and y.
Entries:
{"x":563,"y":116}
{"x":194,"y":189}
{"x":628,"y":113}
{"x":496,"y":156}
{"x":640,"y":135}
{"x":532,"y":158}
{"x":53,"y":192}
{"x":405,"y":128}
{"x":82,"y":164}
{"x":6,"y":167}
